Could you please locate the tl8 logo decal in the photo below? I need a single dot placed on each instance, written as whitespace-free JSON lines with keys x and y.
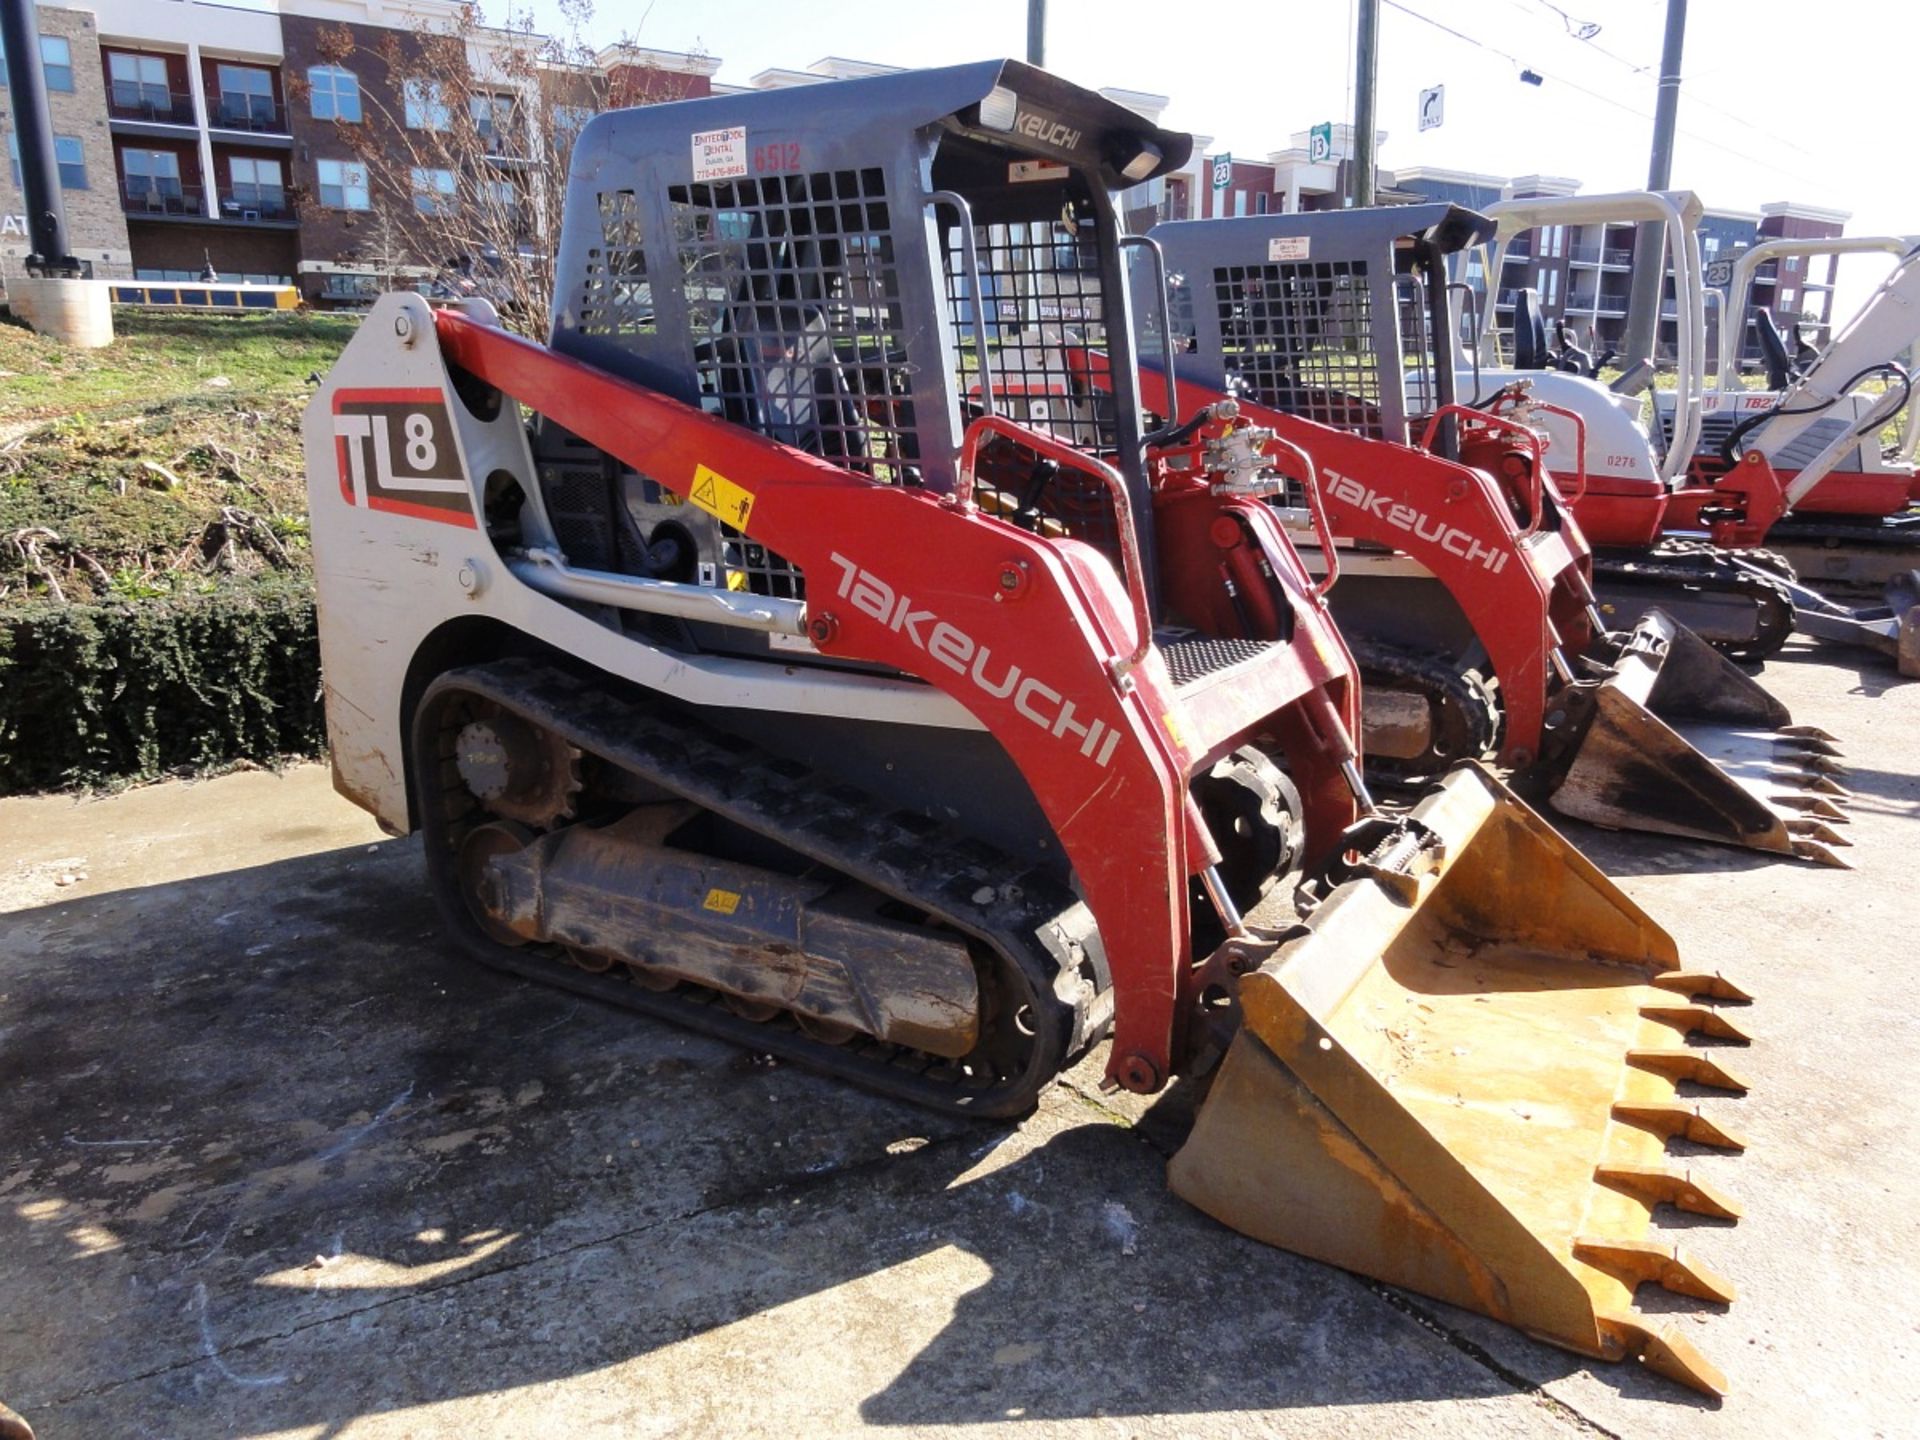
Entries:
{"x":396,"y":453}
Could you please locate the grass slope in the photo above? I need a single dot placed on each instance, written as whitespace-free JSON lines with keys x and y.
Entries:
{"x":166,"y":464}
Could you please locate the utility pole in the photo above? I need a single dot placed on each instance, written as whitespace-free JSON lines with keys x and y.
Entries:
{"x":1649,"y":270}
{"x":52,"y":296}
{"x":1366,"y":75}
{"x":48,"y":252}
{"x":1037,"y":32}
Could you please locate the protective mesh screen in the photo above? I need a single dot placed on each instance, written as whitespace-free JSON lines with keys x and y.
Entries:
{"x":795,"y":311}
{"x":1042,"y":291}
{"x":1042,"y":297}
{"x":616,"y":297}
{"x":1301,"y":337}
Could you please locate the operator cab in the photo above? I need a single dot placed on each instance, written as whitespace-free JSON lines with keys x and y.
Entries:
{"x":1337,"y":316}
{"x":857,"y":269}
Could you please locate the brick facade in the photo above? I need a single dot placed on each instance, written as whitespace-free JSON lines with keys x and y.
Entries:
{"x":96,"y":229}
{"x":335,"y":236}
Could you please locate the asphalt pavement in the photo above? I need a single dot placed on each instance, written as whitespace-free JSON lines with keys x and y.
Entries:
{"x":273,"y":1162}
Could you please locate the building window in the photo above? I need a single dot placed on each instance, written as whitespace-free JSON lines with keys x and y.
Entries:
{"x":493,"y":122}
{"x":246,"y":98}
{"x":433,"y":191}
{"x":72,"y":160}
{"x":1260,"y":203}
{"x":1239,"y":202}
{"x":56,"y":62}
{"x":343,"y":185}
{"x":152,"y":180}
{"x":426,"y":110}
{"x":333,"y":94}
{"x":258,"y":186}
{"x":67,"y":154}
{"x":570,"y":120}
{"x":502,"y":194}
{"x":139,"y":83}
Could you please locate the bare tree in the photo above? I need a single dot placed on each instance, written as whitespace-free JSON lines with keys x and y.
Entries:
{"x":467,"y":138}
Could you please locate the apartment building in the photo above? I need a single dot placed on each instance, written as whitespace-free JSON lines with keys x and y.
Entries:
{"x":83,"y":146}
{"x":194,"y":135}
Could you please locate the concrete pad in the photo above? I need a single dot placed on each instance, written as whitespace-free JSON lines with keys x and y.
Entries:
{"x":273,"y":1163}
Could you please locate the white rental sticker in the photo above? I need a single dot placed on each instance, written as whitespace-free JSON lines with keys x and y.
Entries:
{"x":719,"y":154}
{"x":1288,"y":247}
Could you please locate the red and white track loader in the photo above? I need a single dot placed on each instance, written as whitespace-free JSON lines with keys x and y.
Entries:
{"x":740,"y":659}
{"x":1465,"y":587}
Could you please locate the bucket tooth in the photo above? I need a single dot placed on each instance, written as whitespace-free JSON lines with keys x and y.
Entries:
{"x":1814,"y":830}
{"x":1820,"y":855}
{"x":1697,"y":1020}
{"x":1824,"y":745}
{"x":1819,"y":765}
{"x":1713,"y":984}
{"x":1685,"y":1064}
{"x":1665,"y":1352}
{"x":1813,"y":805}
{"x":1808,"y":732}
{"x":1423,"y":1088}
{"x":1662,"y":1185}
{"x":1640,"y":1262}
{"x":1676,"y":1117}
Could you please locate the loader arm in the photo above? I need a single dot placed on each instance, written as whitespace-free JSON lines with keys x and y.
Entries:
{"x":1020,"y":630}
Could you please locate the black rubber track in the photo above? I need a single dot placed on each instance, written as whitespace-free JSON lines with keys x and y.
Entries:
{"x":1042,"y":965}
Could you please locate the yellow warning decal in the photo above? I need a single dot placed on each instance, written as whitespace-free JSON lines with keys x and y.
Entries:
{"x":722,"y":902}
{"x":721,"y":498}
{"x":1175,"y":728}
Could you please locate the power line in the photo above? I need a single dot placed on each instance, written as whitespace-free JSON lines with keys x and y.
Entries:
{"x":1603,"y":99}
{"x":1646,"y":71}
{"x":1585,"y":30}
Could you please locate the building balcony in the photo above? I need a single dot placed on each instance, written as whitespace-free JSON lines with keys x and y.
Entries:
{"x":162,"y":199}
{"x":255,"y":204}
{"x":1606,"y":257}
{"x":256,"y":114}
{"x":151,"y":104}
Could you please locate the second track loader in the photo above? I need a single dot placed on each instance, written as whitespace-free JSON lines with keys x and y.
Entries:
{"x":1466,"y":589}
{"x":742,"y":660}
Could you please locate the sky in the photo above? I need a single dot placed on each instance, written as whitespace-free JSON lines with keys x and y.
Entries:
{"x":1780,"y":99}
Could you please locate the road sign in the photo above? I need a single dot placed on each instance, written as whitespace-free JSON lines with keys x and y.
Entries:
{"x":1222,"y":171}
{"x":1433,"y":107}
{"x":1719,"y":274}
{"x":1320,"y":144}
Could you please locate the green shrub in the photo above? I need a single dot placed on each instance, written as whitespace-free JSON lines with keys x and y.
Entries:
{"x":115,"y":691}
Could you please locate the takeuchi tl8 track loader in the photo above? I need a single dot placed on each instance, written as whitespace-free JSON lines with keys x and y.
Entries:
{"x":1465,"y":583}
{"x":742,"y":660}
{"x":1741,"y":487}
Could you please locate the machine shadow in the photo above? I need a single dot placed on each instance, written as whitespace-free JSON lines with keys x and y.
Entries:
{"x":265,"y":1105}
{"x":1874,"y":673}
{"x":1634,"y":852}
